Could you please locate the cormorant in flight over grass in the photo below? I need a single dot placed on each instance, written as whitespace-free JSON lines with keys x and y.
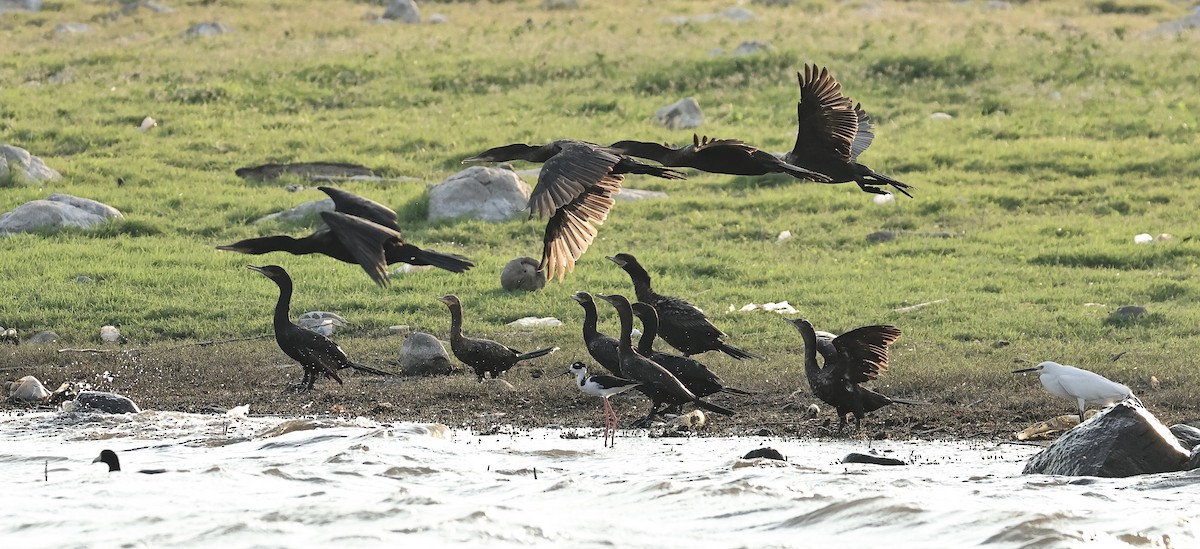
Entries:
{"x":359,"y":230}
{"x":727,"y":156}
{"x":832,"y":131}
{"x":575,"y":190}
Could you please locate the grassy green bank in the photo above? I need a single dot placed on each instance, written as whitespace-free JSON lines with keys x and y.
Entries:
{"x":1073,"y":129}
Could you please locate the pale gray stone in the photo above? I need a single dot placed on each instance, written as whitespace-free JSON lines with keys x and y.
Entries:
{"x":23,"y":5}
{"x":96,"y":401}
{"x":522,"y":274}
{"x":680,"y":115}
{"x":405,"y":11}
{"x":57,"y":211}
{"x":1121,"y":441}
{"x":422,"y":354}
{"x":207,"y":28}
{"x":436,"y":19}
{"x":560,"y":4}
{"x":1128,"y":312}
{"x":751,"y":47}
{"x":297,"y":213}
{"x":18,"y":167}
{"x":639,"y":194}
{"x":41,"y":337}
{"x":71,"y":28}
{"x":478,"y":192}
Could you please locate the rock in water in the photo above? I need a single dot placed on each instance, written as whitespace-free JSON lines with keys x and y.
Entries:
{"x":96,"y":401}
{"x":423,"y":355}
{"x":765,"y":452}
{"x":855,"y":457}
{"x":1122,"y":441}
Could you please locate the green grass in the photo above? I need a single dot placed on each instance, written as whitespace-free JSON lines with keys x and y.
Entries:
{"x":1073,"y":131}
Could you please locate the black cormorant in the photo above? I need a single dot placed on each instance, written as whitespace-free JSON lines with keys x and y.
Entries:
{"x":855,"y":357}
{"x":666,"y":387}
{"x":109,"y":458}
{"x":317,"y":354}
{"x":575,"y":189}
{"x":602,"y":386}
{"x":692,"y":373}
{"x":727,"y":156}
{"x":602,"y":348}
{"x":483,"y":355}
{"x":832,"y":132}
{"x":359,"y":230}
{"x":680,"y":324}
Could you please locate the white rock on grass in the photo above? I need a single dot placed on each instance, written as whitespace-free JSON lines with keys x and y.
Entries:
{"x":1144,"y":238}
{"x":639,"y":194}
{"x":207,"y":28}
{"x":405,"y":11}
{"x":110,"y":334}
{"x":18,"y":167}
{"x":57,"y":211}
{"x":480,"y":192}
{"x":680,"y":115}
{"x":299,"y":212}
{"x":536,"y":322}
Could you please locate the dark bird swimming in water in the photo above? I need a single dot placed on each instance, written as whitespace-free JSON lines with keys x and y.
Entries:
{"x":680,"y":324}
{"x":832,"y":132}
{"x":109,"y":457}
{"x":727,"y":156}
{"x":575,"y":189}
{"x":360,"y":231}
{"x":692,"y":373}
{"x":664,"y":387}
{"x":602,"y":348}
{"x":315,"y":352}
{"x":855,"y":357}
{"x":483,"y":355}
{"x":602,"y":386}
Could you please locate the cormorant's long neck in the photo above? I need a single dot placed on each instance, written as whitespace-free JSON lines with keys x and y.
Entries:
{"x":811,"y":369}
{"x":641,"y":282}
{"x":626,"y":316}
{"x":284,"y":303}
{"x":649,"y":332}
{"x":651,"y":151}
{"x":455,"y":322}
{"x":590,"y":320}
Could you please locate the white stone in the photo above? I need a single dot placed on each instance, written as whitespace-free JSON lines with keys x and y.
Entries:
{"x":680,"y":115}
{"x":1144,"y":238}
{"x":405,"y":11}
{"x":479,"y":192}
{"x":17,"y":166}
{"x":536,"y":322}
{"x":57,"y":210}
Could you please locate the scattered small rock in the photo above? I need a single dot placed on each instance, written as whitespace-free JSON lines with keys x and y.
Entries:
{"x":9,"y":336}
{"x":784,"y":236}
{"x":680,"y":115}
{"x":1188,"y":436}
{"x":422,"y":354}
{"x":207,"y":28}
{"x":405,"y":268}
{"x":765,"y":453}
{"x":41,"y":337}
{"x":479,"y":192}
{"x":813,"y":410}
{"x":321,"y":322}
{"x":27,"y":389}
{"x":881,"y":236}
{"x":297,"y":213}
{"x":18,"y":167}
{"x":522,"y":274}
{"x":110,"y":334}
{"x":1128,"y":312}
{"x":1144,"y":238}
{"x":883,"y":199}
{"x":738,"y":15}
{"x":941,"y":116}
{"x":855,"y":457}
{"x":57,"y":211}
{"x":400,"y":329}
{"x":639,"y":194}
{"x":96,"y":401}
{"x":692,"y":420}
{"x":536,"y":322}
{"x":83,"y":279}
{"x":405,"y":11}
{"x":436,"y":19}
{"x":751,"y":47}
{"x":67,"y":29}
{"x":560,"y":4}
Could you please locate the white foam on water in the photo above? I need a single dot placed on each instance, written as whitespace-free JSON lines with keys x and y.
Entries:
{"x":370,"y":484}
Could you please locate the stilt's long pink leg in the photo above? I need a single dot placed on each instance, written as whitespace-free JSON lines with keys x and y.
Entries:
{"x":609,"y":423}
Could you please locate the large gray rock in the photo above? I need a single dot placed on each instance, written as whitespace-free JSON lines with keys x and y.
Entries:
{"x":207,"y":28}
{"x":478,"y":192}
{"x":41,"y":337}
{"x":1122,"y":441}
{"x":403,"y":10}
{"x":18,"y":167}
{"x":423,"y":355}
{"x":299,"y":212}
{"x":96,"y":401}
{"x":26,"y":5}
{"x":56,"y":211}
{"x":680,"y":115}
{"x":1188,"y":436}
{"x":522,"y":274}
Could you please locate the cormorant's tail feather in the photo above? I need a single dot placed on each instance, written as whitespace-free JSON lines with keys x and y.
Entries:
{"x":657,"y":171}
{"x":899,"y":185}
{"x":451,"y":262}
{"x":713,"y":407}
{"x":537,"y":353}
{"x":733,"y":391}
{"x":369,"y":370}
{"x":801,"y":173}
{"x":735,"y":352}
{"x":908,"y":402}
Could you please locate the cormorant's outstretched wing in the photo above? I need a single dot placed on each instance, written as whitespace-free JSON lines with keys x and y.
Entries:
{"x":365,"y":240}
{"x":566,"y":176}
{"x":827,"y":121}
{"x":572,"y":228}
{"x":358,"y":206}
{"x":866,"y":351}
{"x":863,"y":138}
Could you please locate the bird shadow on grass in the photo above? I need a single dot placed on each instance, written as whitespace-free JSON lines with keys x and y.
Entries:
{"x":1145,"y":321}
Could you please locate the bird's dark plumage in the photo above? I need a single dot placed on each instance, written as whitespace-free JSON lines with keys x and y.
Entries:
{"x":317,"y":354}
{"x":483,"y":355}
{"x":109,"y":458}
{"x":360,"y":231}
{"x":680,"y":324}
{"x":665,"y":388}
{"x":727,"y":156}
{"x":602,"y":348}
{"x":855,"y":357}
{"x":575,"y":190}
{"x":692,"y":373}
{"x":832,"y":131}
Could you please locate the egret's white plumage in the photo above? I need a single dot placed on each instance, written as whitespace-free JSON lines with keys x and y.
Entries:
{"x":1080,"y":385}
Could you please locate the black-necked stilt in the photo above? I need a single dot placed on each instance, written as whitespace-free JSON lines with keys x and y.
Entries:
{"x":603,"y":386}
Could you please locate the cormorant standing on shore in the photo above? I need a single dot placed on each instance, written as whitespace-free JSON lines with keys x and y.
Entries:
{"x":483,"y":355}
{"x":359,"y":230}
{"x":602,"y":348}
{"x":680,"y":324}
{"x":855,"y":357}
{"x":575,"y":189}
{"x":667,"y":388}
{"x":315,"y":352}
{"x":602,"y":386}
{"x":832,"y":131}
{"x":694,"y":375}
{"x":727,"y":156}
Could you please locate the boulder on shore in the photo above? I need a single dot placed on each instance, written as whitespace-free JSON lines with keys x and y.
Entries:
{"x":1121,"y":441}
{"x":424,"y":355}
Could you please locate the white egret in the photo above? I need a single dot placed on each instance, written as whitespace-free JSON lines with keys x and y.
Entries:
{"x":1081,"y":385}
